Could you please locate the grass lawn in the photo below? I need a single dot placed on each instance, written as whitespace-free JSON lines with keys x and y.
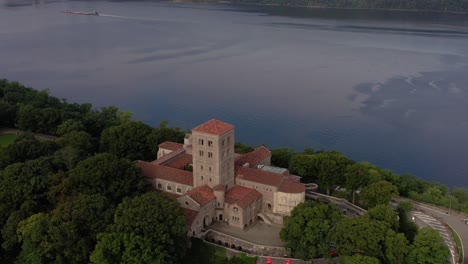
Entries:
{"x":6,"y":139}
{"x":459,"y":245}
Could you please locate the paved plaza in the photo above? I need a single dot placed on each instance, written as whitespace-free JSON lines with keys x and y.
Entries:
{"x":260,"y":233}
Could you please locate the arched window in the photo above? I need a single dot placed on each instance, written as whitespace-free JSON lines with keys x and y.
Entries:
{"x":178,"y":189}
{"x":160,"y":185}
{"x":169,"y":187}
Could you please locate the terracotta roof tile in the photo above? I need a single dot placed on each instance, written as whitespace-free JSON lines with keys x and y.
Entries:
{"x":214,"y":127}
{"x":180,"y":161}
{"x":254,"y":157}
{"x":202,"y":195}
{"x":241,"y":196}
{"x":152,"y":171}
{"x":259,"y":176}
{"x":289,"y":186}
{"x":168,"y":157}
{"x":170,"y":145}
{"x":190,"y":216}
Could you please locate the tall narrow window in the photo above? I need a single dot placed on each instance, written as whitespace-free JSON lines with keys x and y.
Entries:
{"x":200,"y":141}
{"x":201,"y":153}
{"x":210,"y":154}
{"x":210,"y":143}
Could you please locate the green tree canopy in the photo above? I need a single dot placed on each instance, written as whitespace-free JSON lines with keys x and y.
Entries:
{"x":242,"y":148}
{"x":67,"y":234}
{"x":80,"y":140}
{"x":385,"y":214}
{"x":128,"y":140}
{"x":359,"y":236}
{"x":331,"y":168}
{"x":25,"y":147}
{"x":378,"y":193}
{"x":103,"y":174}
{"x":429,"y":247}
{"x":150,"y":227}
{"x":396,"y":248}
{"x":303,"y":165}
{"x":305,"y":231}
{"x":70,"y":125}
{"x":360,"y":175}
{"x":280,"y":157}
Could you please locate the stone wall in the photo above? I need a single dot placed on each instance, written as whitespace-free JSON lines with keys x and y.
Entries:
{"x":261,"y":258}
{"x":346,"y":207}
{"x":244,"y":246}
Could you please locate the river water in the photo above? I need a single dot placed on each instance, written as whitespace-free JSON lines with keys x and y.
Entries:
{"x":386,"y":87}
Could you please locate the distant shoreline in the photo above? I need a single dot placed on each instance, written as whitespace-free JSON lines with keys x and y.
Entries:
{"x":324,"y":7}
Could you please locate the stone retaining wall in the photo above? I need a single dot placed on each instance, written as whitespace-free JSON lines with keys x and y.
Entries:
{"x":244,"y":246}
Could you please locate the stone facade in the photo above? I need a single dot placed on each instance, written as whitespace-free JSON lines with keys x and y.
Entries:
{"x":213,"y":183}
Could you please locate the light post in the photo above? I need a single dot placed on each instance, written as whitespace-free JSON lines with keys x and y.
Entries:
{"x":450,"y":203}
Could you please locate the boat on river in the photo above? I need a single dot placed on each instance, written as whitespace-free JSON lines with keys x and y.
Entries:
{"x":95,"y":13}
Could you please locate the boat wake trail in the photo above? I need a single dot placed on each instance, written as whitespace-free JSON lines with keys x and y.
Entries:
{"x":130,"y":18}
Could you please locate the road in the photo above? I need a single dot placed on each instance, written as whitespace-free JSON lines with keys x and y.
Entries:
{"x":455,"y":221}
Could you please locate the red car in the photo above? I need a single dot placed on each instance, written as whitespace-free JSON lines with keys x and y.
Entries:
{"x":268,"y":260}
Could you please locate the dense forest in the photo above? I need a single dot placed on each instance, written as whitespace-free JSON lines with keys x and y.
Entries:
{"x":427,"y":5}
{"x":378,"y":236}
{"x":80,"y":198}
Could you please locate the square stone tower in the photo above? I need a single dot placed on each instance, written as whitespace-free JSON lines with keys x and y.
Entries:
{"x":213,"y":154}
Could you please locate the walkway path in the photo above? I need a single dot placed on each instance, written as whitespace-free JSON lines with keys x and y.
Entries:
{"x":4,"y":131}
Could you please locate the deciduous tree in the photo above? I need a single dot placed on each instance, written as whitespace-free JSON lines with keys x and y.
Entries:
{"x":378,"y":193}
{"x":360,"y":175}
{"x":396,"y":248}
{"x":359,"y":236}
{"x":129,"y":140}
{"x":429,"y":247}
{"x":305,"y":231}
{"x":149,"y":226}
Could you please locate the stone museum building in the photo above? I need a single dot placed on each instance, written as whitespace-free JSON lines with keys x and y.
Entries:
{"x":213,"y":183}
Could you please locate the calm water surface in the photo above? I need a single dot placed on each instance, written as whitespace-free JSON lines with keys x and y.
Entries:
{"x":386,"y":87}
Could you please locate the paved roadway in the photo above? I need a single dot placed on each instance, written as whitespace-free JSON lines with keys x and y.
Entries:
{"x":454,"y":220}
{"x":423,"y":219}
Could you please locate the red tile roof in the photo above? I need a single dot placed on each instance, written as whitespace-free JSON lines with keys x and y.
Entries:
{"x":241,"y":196}
{"x":170,"y":145}
{"x":168,"y":157}
{"x":259,"y":176}
{"x":289,"y":186}
{"x":190,"y":216}
{"x":214,"y":127}
{"x":254,"y":157}
{"x":202,"y":195}
{"x":151,"y":170}
{"x":180,"y":161}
